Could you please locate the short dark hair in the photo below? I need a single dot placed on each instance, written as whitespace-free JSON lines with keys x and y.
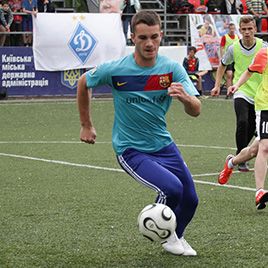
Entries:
{"x":247,"y":19}
{"x":4,"y":2}
{"x":147,"y":17}
{"x":192,"y":49}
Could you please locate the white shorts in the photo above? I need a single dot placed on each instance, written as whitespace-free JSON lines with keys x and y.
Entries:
{"x":262,"y":125}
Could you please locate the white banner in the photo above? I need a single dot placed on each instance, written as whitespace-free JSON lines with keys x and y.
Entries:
{"x":66,"y":41}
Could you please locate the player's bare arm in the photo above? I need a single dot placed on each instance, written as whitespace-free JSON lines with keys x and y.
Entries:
{"x":217,"y":88}
{"x":87,"y":132}
{"x":192,"y":105}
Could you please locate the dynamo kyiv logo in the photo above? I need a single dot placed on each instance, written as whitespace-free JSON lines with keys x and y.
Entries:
{"x":82,"y":43}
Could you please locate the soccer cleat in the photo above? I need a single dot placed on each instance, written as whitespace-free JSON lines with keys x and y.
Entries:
{"x":261,"y":199}
{"x":226,"y":173}
{"x":188,"y":250}
{"x":173,"y":245}
{"x":243,"y":167}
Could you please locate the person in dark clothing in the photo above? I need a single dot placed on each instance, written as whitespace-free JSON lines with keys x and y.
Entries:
{"x":6,"y":19}
{"x":45,"y":6}
{"x":231,"y":7}
{"x":129,"y":7}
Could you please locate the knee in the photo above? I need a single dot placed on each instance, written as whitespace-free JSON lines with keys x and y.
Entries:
{"x":253,"y":151}
{"x":192,"y":200}
{"x":186,"y":196}
{"x":263,"y":148}
{"x":174,"y":192}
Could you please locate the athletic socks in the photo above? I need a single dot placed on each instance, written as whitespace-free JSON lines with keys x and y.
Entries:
{"x":230,"y":163}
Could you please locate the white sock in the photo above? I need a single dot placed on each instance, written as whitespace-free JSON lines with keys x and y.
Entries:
{"x":259,"y":190}
{"x":230,"y":163}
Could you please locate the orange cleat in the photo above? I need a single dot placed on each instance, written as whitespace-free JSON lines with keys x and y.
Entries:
{"x":261,"y":199}
{"x":226,"y":173}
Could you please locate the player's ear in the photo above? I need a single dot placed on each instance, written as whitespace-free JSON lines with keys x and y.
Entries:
{"x":132,"y":36}
{"x":161,"y":34}
{"x":255,"y":28}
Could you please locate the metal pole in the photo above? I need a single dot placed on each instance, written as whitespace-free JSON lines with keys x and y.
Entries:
{"x":165,"y":21}
{"x":187,"y":30}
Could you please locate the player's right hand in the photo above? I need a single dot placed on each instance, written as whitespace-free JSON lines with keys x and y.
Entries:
{"x":232,"y":89}
{"x":88,"y":134}
{"x":215,"y":91}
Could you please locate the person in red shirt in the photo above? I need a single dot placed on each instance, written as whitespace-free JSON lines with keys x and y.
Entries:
{"x":191,"y":65}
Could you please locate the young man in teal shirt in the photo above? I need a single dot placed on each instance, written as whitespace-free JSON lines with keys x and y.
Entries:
{"x":143,"y":86}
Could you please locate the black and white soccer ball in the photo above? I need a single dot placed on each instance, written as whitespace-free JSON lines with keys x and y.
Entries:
{"x":157,"y":222}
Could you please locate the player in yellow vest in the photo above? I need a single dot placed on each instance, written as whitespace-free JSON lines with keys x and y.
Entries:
{"x":227,"y":40}
{"x":260,"y":146}
{"x":242,"y":53}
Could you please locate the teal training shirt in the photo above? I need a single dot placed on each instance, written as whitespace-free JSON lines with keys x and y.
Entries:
{"x":140,"y":100}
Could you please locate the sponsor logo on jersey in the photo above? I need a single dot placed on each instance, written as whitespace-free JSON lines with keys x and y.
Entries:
{"x":164,"y":81}
{"x":142,"y":82}
{"x":121,"y":84}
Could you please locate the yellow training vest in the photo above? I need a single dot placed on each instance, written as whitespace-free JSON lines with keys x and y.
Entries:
{"x":242,"y":61}
{"x":229,"y":41}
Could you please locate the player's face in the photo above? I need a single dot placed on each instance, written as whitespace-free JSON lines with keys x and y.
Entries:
{"x":147,"y":41}
{"x":232,"y":29}
{"x":248,"y":30}
{"x":5,"y":7}
{"x":109,"y":6}
{"x":191,"y":53}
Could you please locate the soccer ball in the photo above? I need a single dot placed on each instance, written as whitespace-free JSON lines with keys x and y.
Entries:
{"x":157,"y":222}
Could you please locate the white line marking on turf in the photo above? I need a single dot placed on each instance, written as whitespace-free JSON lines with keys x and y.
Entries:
{"x":49,"y":101}
{"x":49,"y":142}
{"x":205,"y":146}
{"x":119,"y":170}
{"x":108,"y":142}
{"x":72,"y":100}
{"x":58,"y":162}
{"x":225,"y":185}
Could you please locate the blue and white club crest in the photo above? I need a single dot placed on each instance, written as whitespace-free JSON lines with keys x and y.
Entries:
{"x":82,"y":43}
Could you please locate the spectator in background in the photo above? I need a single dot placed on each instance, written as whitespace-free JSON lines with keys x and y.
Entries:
{"x":257,"y":8}
{"x":30,"y":8}
{"x":16,"y":26}
{"x":6,"y":19}
{"x":207,"y":28}
{"x":128,"y":7}
{"x":213,"y":6}
{"x":191,"y":65}
{"x":45,"y":6}
{"x":231,"y":7}
{"x":227,"y":40}
{"x":109,"y":6}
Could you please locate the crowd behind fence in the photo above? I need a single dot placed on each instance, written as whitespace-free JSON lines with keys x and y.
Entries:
{"x":174,"y":17}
